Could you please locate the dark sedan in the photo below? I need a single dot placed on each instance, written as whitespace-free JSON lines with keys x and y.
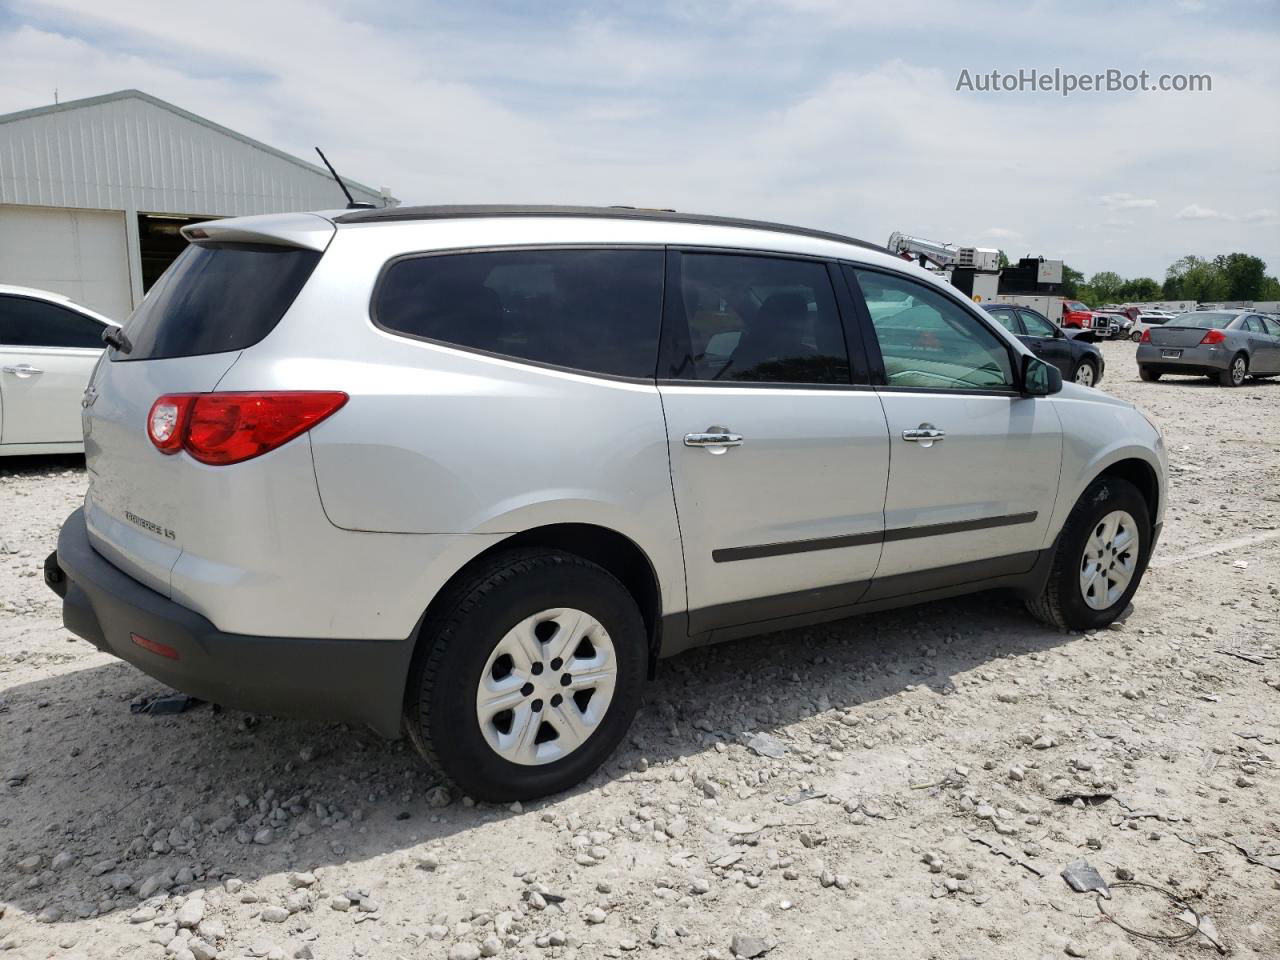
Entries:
{"x":1078,"y":360}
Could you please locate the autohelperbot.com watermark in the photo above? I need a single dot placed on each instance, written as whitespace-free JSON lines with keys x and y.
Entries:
{"x":1066,"y":83}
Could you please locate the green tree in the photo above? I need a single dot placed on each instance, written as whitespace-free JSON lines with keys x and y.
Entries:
{"x":1004,"y":261}
{"x":1140,"y":288}
{"x":1270,"y":289}
{"x":1194,"y":278}
{"x":1242,"y":274}
{"x":1071,"y":282}
{"x":1106,"y":286}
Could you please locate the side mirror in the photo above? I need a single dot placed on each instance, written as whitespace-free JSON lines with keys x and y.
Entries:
{"x":1057,"y":333}
{"x":1040,"y":379}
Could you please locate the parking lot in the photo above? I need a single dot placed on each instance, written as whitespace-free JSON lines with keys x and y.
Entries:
{"x":907,"y":784}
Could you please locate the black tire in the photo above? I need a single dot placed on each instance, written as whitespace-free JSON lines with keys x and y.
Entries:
{"x":1236,"y":373}
{"x":1136,"y":336}
{"x":454,"y":647}
{"x":1061,"y":604}
{"x":1093,"y":380}
{"x":1149,"y":375}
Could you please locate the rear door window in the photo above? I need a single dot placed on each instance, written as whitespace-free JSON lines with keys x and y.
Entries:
{"x":754,"y":319}
{"x":1037,"y":326}
{"x":1004,"y":316}
{"x":592,"y":310}
{"x":215,"y":298}
{"x":26,"y":322}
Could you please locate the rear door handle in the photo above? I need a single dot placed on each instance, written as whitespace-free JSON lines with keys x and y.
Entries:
{"x":23,"y":370}
{"x":715,"y":439}
{"x":926,"y":435}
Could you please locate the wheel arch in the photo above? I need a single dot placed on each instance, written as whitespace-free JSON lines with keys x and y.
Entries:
{"x":1142,"y":475}
{"x":607,"y":548}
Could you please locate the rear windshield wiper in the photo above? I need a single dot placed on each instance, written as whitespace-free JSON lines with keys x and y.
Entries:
{"x":116,"y":338}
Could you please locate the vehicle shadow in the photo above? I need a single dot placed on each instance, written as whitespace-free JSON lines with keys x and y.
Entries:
{"x":87,"y":776}
{"x":40,"y":464}
{"x":1205,"y":383}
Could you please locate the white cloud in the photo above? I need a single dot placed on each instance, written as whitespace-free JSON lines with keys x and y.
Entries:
{"x":1001,"y":233}
{"x":1125,"y":201}
{"x":1194,"y":211}
{"x":1117,"y":223}
{"x":1263,"y":215}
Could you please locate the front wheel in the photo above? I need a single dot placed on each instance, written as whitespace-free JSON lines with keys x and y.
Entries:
{"x":527,"y":676}
{"x":1086,"y":374}
{"x":1234,"y":375}
{"x":1100,"y":558}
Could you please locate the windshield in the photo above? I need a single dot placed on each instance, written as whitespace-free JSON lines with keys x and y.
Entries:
{"x":1075,"y":306}
{"x":1215,"y":320}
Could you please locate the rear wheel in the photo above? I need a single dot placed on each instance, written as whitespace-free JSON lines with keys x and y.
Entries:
{"x":1086,"y":374}
{"x":528,"y":677}
{"x":1135,"y":336}
{"x":1101,"y":556}
{"x":1234,"y":375}
{"x":1149,"y":375}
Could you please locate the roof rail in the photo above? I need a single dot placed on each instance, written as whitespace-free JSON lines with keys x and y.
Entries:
{"x":483,"y":210}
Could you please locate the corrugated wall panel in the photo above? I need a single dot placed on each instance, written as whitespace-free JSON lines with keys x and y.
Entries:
{"x":131,"y":153}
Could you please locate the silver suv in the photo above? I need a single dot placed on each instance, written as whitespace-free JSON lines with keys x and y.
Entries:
{"x":469,"y":472}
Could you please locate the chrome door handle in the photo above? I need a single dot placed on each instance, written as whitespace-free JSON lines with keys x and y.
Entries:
{"x":926,"y":435}
{"x":715,"y":439}
{"x":23,"y":370}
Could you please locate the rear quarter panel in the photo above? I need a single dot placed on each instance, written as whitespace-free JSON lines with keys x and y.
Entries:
{"x":437,"y":441}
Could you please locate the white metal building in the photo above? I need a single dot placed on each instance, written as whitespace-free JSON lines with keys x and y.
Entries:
{"x":93,"y":192}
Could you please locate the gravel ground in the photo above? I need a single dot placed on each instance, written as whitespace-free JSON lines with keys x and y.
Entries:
{"x":831,"y":792}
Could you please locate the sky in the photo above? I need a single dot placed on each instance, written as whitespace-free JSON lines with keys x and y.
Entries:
{"x":837,"y":114}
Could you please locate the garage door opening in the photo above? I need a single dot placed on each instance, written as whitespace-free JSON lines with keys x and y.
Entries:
{"x":159,"y":242}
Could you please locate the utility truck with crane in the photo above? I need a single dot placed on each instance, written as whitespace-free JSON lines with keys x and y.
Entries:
{"x":1033,"y":282}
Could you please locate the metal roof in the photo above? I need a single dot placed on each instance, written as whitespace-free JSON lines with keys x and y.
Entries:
{"x":130,"y":150}
{"x":473,"y":211}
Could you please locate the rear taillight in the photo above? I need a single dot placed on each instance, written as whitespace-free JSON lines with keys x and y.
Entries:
{"x":167,"y":422}
{"x":1213,"y":336}
{"x":1146,"y":336}
{"x":222,"y":428}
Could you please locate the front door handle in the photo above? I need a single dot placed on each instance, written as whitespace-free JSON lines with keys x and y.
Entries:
{"x":716,"y":439}
{"x":23,"y":370}
{"x":926,"y":435}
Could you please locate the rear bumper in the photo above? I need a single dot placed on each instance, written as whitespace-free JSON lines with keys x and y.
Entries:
{"x":1194,"y":359}
{"x":360,"y":681}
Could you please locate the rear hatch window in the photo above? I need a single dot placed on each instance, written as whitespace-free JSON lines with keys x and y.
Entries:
{"x":216,"y":298}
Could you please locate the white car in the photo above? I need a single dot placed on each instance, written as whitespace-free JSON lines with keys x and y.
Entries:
{"x":469,"y":472}
{"x":48,"y":347}
{"x":1146,"y":320}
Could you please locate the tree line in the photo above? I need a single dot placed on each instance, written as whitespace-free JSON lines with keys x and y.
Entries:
{"x":1228,"y":276}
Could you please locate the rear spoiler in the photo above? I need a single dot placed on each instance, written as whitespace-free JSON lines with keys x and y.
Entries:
{"x":306,"y":231}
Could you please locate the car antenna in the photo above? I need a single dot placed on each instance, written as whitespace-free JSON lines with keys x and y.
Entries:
{"x":351,"y":204}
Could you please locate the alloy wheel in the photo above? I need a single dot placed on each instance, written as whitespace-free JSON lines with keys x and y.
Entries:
{"x":1110,"y":559}
{"x":1238,"y":370}
{"x":1084,"y":374}
{"x":546,"y":686}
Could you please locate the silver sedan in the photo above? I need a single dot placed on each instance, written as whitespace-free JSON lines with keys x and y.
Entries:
{"x":1224,"y":345}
